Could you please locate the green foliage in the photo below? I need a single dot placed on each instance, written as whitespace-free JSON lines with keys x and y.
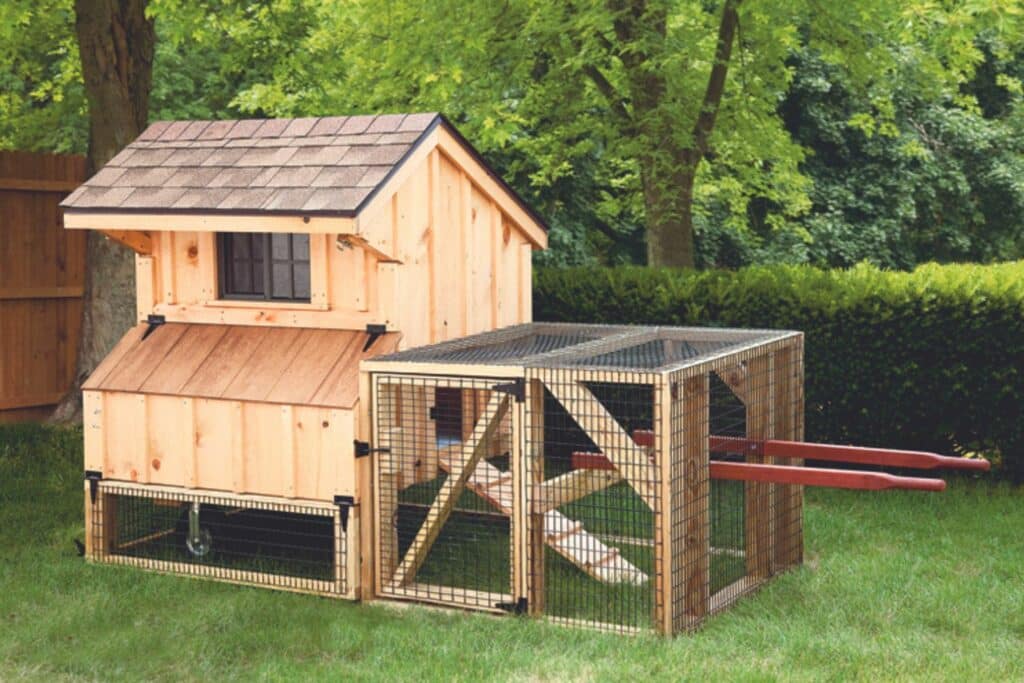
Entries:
{"x":42,"y":98}
{"x":864,"y":130}
{"x":928,"y":360}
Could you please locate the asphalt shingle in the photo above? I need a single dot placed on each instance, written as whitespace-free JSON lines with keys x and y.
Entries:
{"x":313,"y":164}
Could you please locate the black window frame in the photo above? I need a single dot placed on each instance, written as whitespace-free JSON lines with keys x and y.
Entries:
{"x":226,"y":267}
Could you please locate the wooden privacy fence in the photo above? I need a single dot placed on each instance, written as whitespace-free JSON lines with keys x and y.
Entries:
{"x":42,"y":271}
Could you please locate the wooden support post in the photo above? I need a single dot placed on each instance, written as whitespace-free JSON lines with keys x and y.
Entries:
{"x":758,"y":521}
{"x":788,"y":372}
{"x":461,"y":469}
{"x":361,"y":542}
{"x":534,"y":452}
{"x":696,"y":493}
{"x":520,"y":511}
{"x":665,"y":549}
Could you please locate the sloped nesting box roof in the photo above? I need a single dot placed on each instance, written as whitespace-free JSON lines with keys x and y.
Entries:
{"x":311,"y":166}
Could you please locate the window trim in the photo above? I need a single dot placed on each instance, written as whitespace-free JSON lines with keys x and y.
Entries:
{"x":241,"y":300}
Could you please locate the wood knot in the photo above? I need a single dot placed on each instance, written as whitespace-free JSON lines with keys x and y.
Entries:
{"x":193,"y":252}
{"x":326,"y":424}
{"x":156,"y":464}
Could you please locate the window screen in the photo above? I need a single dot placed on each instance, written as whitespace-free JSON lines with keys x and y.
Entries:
{"x":269,"y":266}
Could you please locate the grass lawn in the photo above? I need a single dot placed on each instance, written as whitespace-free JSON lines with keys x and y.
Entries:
{"x":896,"y":586}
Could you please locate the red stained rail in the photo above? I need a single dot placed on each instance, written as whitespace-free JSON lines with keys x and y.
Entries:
{"x":813,"y":476}
{"x":886,"y":457}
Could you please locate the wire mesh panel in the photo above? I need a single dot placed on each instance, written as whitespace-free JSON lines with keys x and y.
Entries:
{"x":298,"y":547}
{"x":446,"y":494}
{"x":731,"y":529}
{"x":593,"y":496}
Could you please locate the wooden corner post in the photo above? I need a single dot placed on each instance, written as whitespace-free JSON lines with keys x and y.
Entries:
{"x":789,"y":409}
{"x":758,"y":527}
{"x":692,"y":495}
{"x":534,"y":470}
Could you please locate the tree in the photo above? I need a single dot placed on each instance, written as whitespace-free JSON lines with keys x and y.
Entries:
{"x":115,"y":43}
{"x":672,"y":104}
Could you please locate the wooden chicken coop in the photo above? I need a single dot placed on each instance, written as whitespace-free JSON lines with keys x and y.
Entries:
{"x":271,"y":257}
{"x":334,"y":387}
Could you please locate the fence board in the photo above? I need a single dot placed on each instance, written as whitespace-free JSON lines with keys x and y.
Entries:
{"x":42,"y":273}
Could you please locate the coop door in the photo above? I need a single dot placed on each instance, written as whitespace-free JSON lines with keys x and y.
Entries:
{"x":446,"y":502}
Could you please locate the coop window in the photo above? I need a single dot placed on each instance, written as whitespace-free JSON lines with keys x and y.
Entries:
{"x":267,"y":266}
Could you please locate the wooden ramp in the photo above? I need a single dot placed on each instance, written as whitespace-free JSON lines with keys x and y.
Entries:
{"x":566,"y":536}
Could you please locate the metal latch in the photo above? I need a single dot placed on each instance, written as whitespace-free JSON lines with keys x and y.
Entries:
{"x":363,"y":449}
{"x":344,"y":503}
{"x":375,"y":332}
{"x":518,"y":607}
{"x":154,"y":321}
{"x":93,"y":477}
{"x":515,"y":388}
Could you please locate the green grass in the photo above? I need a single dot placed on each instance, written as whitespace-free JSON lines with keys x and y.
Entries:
{"x":897,"y":586}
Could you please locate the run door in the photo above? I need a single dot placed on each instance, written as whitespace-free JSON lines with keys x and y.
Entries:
{"x":447,"y":501}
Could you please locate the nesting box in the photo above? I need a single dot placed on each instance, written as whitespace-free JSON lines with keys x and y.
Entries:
{"x":271,"y":257}
{"x":566,"y":471}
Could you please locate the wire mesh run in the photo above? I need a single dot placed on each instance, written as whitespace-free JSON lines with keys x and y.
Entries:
{"x":734,"y":531}
{"x":593,"y":540}
{"x":445,"y":491}
{"x":646,"y":503}
{"x":279,"y":545}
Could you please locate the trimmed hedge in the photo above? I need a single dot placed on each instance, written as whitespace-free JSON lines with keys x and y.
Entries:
{"x":929,"y":360}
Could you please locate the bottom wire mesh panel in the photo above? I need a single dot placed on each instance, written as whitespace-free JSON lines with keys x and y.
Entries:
{"x":280,"y":545}
{"x":445,"y":491}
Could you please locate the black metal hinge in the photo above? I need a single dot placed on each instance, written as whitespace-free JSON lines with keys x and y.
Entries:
{"x":516,"y":388}
{"x":154,"y":321}
{"x":375,"y":332}
{"x":93,"y":477}
{"x":520,"y":606}
{"x":363,"y":449}
{"x":344,"y":503}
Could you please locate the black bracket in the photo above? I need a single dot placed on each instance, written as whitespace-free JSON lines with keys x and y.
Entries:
{"x":344,"y":503}
{"x":432,"y":413}
{"x":93,"y":477}
{"x":518,"y":607}
{"x":154,"y":321}
{"x":515,"y":388}
{"x":363,"y":449}
{"x":375,"y":332}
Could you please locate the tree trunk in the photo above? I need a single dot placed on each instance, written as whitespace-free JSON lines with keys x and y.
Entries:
{"x":668,"y":212}
{"x":668,"y":167}
{"x":116,"y":43}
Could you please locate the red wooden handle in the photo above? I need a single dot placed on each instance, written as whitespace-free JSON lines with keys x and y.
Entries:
{"x":812,"y":476}
{"x":887,"y":457}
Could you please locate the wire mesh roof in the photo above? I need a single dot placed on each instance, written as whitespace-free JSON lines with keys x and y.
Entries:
{"x":569,"y":345}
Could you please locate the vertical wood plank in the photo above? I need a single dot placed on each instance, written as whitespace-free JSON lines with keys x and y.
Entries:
{"x":144,"y":297}
{"x":758,"y":522}
{"x":534,"y":430}
{"x":664,"y":550}
{"x":289,"y":462}
{"x":167,"y":267}
{"x":366,"y":582}
{"x":693,"y":496}
{"x":207,"y":246}
{"x":433,"y":247}
{"x":93,"y":421}
{"x":319,"y":270}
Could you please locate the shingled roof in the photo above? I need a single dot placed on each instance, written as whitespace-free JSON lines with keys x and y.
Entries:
{"x":330,"y":165}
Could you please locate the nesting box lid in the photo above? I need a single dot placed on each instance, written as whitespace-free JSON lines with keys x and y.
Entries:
{"x":296,"y":366}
